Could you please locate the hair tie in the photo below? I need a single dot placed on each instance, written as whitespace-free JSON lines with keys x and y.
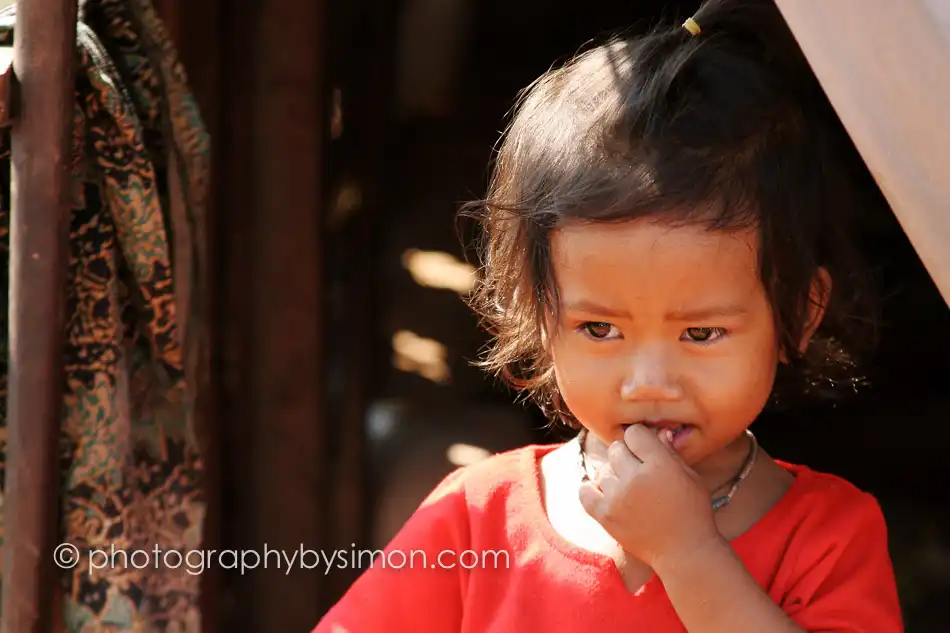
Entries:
{"x":692,"y":26}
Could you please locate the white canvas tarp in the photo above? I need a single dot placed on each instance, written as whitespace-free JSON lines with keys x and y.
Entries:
{"x":885,"y":66}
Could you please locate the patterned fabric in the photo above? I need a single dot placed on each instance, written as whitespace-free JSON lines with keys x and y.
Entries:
{"x":130,"y":479}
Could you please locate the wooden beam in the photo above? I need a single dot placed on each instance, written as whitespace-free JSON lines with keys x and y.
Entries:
{"x":43,"y":63}
{"x":271,"y":150}
{"x":884,"y":66}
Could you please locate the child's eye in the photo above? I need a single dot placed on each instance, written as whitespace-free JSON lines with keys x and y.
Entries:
{"x":597,"y":330}
{"x":703,"y":334}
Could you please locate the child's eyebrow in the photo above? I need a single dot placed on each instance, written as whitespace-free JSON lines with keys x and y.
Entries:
{"x":704,"y":313}
{"x":686,"y":314}
{"x":590,"y":307}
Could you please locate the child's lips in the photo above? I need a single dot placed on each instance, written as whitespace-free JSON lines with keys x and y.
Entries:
{"x":680,"y":430}
{"x":657,"y":426}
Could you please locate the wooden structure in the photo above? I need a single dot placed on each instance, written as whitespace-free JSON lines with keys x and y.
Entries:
{"x":40,"y":105}
{"x":261,"y":72}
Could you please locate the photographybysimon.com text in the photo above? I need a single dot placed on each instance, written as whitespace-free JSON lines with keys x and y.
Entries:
{"x":196,"y":561}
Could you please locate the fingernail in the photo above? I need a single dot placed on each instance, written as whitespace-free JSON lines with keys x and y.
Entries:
{"x":668,"y":436}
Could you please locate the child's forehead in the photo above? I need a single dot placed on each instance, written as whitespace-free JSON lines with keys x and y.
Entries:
{"x":650,"y":258}
{"x":579,"y":243}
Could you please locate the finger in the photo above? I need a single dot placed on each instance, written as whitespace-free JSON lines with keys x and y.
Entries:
{"x":610,"y":485}
{"x":592,"y":499}
{"x":645,"y":444}
{"x":622,"y":461}
{"x":666,"y":438}
{"x":607,"y":480}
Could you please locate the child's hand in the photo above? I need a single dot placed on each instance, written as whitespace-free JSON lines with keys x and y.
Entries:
{"x":648,"y":499}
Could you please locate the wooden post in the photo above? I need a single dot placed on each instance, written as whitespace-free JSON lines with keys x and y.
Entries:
{"x":43,"y":63}
{"x":271,"y":149}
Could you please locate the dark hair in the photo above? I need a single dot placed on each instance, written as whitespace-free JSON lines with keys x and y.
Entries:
{"x":729,"y":129}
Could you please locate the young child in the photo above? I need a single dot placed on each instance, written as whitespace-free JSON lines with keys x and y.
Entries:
{"x":664,"y":237}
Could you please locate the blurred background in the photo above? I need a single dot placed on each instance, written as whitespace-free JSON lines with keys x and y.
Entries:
{"x":345,"y":136}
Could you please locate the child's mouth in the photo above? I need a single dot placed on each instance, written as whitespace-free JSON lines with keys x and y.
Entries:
{"x":679,"y":431}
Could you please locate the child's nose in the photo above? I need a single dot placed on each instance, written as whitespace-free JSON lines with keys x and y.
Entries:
{"x":649,"y":378}
{"x":649,"y":391}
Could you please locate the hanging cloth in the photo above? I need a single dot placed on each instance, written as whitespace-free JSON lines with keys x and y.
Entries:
{"x":134,"y":331}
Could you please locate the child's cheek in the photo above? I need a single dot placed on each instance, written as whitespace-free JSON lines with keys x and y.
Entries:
{"x":586,"y":385}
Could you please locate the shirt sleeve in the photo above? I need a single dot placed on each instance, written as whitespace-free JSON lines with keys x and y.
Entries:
{"x":414,"y":584}
{"x":846,"y":583}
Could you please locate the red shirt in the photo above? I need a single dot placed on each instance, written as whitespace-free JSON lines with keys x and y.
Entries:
{"x":820,"y":553}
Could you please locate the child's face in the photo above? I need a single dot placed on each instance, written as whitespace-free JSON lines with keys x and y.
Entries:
{"x":661,"y":324}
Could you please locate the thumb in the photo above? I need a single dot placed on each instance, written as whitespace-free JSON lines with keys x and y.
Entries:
{"x":592,"y":498}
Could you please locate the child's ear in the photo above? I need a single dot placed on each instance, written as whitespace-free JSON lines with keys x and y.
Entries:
{"x":817,"y":304}
{"x":818,"y":297}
